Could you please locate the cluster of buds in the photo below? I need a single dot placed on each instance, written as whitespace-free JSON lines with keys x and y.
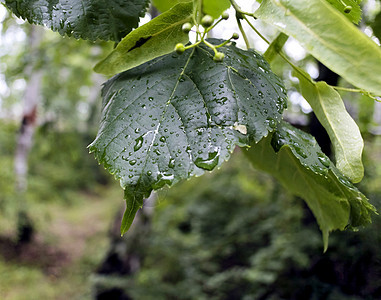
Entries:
{"x":208,"y":23}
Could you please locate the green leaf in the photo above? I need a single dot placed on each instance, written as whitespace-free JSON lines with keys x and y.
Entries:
{"x":176,"y":116}
{"x":164,"y":5}
{"x":86,"y":19}
{"x":275,"y":47}
{"x":215,"y":7}
{"x":153,"y":39}
{"x":328,"y":36}
{"x":341,"y":128}
{"x":296,"y":160}
{"x":354,"y":15}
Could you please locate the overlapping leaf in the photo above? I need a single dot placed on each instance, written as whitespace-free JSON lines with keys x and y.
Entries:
{"x":86,"y":19}
{"x":164,"y":5}
{"x":153,"y":39}
{"x":215,"y":7}
{"x":296,"y":160}
{"x":177,"y":116}
{"x":328,"y":36}
{"x":342,"y":129}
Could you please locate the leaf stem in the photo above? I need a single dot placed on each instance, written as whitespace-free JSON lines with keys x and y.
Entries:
{"x":255,"y":29}
{"x":242,"y":32}
{"x":238,"y":9}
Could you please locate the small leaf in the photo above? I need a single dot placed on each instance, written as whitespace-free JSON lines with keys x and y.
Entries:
{"x":133,"y":204}
{"x":86,"y":19}
{"x":354,"y":15}
{"x":275,"y":47}
{"x":328,"y":36}
{"x":215,"y":8}
{"x":176,"y":116}
{"x":342,"y":129}
{"x":153,"y":39}
{"x":296,"y":160}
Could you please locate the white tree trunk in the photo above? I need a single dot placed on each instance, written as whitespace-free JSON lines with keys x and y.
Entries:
{"x":29,"y":117}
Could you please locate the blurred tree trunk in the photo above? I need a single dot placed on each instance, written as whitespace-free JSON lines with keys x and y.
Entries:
{"x":31,"y":99}
{"x":125,"y":255}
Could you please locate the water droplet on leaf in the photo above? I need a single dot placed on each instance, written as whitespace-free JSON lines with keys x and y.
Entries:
{"x":139,"y":143}
{"x":209,"y":163}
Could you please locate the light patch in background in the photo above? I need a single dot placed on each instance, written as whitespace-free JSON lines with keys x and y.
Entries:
{"x":312,"y":69}
{"x":298,"y":100}
{"x":294,"y":50}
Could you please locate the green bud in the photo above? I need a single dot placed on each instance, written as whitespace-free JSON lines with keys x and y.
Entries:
{"x":218,"y":57}
{"x":179,"y":48}
{"x":207,"y":21}
{"x":235,"y":36}
{"x":225,"y":15}
{"x":348,"y":9}
{"x":186,"y":27}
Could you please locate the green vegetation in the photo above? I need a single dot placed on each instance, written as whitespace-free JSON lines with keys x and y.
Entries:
{"x":180,"y":105}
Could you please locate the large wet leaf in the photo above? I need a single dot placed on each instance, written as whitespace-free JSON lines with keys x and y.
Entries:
{"x":354,"y":10}
{"x":296,"y":160}
{"x":330,"y":37}
{"x":86,"y":19}
{"x":153,"y":39}
{"x":342,"y":129}
{"x":177,"y":116}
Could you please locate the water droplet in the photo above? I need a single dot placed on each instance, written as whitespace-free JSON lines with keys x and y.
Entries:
{"x":171,"y":163}
{"x":324,"y":160}
{"x":271,"y":122}
{"x":130,"y":176}
{"x":150,"y":98}
{"x":221,"y":85}
{"x":137,"y":130}
{"x":162,"y":139}
{"x":345,"y":181}
{"x":300,"y":152}
{"x":139,"y":143}
{"x":149,"y":173}
{"x":163,"y":179}
{"x":132,"y":162}
{"x":157,"y":151}
{"x":209,"y":163}
{"x":277,"y":142}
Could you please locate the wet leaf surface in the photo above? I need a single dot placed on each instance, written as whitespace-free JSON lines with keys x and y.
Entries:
{"x":86,"y":19}
{"x":177,"y":116}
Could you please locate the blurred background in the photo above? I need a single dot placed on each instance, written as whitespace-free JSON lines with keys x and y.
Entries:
{"x":231,"y":234}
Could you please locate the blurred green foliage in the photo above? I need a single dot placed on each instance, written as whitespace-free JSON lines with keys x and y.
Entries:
{"x":238,"y":235}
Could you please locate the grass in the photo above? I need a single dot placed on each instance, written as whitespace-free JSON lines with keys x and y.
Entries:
{"x":71,"y":242}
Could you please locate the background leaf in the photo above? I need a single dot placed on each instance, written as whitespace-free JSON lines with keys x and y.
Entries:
{"x":153,"y":39}
{"x":354,"y":15}
{"x":164,"y":5}
{"x":275,"y":47}
{"x":86,"y":19}
{"x":296,"y":160}
{"x":215,"y":7}
{"x":177,"y":116}
{"x":376,"y":26}
{"x":342,"y":129}
{"x":328,"y":36}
